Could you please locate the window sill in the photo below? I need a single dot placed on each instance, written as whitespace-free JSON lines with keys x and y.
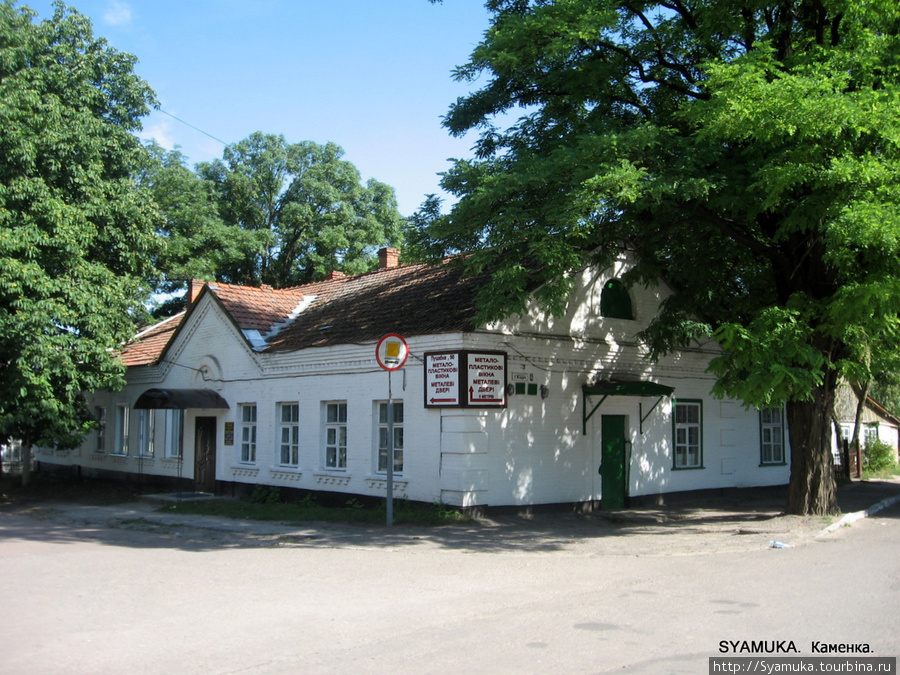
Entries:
{"x":762,"y":464}
{"x":688,"y":468}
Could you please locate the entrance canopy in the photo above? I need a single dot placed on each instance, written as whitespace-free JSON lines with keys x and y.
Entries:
{"x":606,"y":388}
{"x":179,"y":399}
{"x":620,"y":388}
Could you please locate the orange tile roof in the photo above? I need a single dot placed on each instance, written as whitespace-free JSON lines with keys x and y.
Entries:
{"x":409,"y":300}
{"x":148,"y":345}
{"x":256,"y":308}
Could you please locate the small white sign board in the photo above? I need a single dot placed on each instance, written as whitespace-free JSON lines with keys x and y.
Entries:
{"x":442,"y":379}
{"x":486,"y":379}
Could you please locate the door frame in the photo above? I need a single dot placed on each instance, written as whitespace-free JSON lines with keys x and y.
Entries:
{"x":205,"y":454}
{"x":614,"y":461}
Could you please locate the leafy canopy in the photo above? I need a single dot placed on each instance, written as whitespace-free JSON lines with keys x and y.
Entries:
{"x":75,"y":233}
{"x":747,"y":150}
{"x":195,"y":242}
{"x":302,"y":209}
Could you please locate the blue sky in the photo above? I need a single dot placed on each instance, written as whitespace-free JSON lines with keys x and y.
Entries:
{"x":373,"y":76}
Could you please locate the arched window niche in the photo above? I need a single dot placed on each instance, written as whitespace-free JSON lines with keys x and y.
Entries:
{"x":615,"y":303}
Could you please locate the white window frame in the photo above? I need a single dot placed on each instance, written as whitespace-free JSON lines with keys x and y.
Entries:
{"x":100,"y":441}
{"x":381,"y":439}
{"x":288,"y":447}
{"x":248,"y":423}
{"x":146,"y":432}
{"x":688,"y":435}
{"x":771,"y":436}
{"x":870,"y":433}
{"x":175,"y":434}
{"x":123,"y":424}
{"x":335,"y":435}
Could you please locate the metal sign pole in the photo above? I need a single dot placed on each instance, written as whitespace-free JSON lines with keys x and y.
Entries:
{"x":393,"y":357}
{"x":390,"y":454}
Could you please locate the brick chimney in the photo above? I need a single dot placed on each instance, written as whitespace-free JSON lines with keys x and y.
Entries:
{"x":388,"y":258}
{"x":335,"y":274}
{"x":194,"y":288}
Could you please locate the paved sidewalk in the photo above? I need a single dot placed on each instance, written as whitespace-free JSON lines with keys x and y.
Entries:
{"x":737,"y":521}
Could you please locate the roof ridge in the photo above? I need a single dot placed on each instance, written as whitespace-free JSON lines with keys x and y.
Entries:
{"x":158,"y":324}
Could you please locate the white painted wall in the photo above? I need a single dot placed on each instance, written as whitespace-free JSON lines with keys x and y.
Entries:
{"x":532,"y":452}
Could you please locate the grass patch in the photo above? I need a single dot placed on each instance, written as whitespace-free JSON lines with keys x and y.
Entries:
{"x":892,"y":471}
{"x":309,"y":509}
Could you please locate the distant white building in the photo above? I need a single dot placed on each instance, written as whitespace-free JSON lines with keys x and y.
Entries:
{"x":876,"y":422}
{"x":282,"y":387}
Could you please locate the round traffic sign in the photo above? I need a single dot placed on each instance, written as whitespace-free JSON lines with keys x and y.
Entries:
{"x":392,"y":352}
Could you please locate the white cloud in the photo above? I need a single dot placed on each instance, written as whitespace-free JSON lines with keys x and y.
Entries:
{"x":161,"y":132}
{"x":117,"y":13}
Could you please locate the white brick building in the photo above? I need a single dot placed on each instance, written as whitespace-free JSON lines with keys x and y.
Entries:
{"x":282,"y":387}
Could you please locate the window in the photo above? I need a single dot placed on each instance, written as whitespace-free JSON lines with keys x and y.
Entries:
{"x":688,"y":435}
{"x":175,"y":434}
{"x":870,"y":434}
{"x":146,"y":432}
{"x":289,"y":434}
{"x":336,"y":435}
{"x":122,"y":430}
{"x":100,"y":416}
{"x":383,"y":436}
{"x":248,"y":433}
{"x":771,"y":435}
{"x":615,"y":303}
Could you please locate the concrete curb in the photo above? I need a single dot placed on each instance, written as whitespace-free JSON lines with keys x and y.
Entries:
{"x":851,"y":518}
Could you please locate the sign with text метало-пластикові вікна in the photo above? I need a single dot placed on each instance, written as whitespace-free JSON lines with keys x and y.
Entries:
{"x":465,"y":379}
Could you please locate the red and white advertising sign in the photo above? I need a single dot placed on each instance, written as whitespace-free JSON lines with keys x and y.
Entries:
{"x":442,"y":379}
{"x":463,"y":379}
{"x":486,"y":379}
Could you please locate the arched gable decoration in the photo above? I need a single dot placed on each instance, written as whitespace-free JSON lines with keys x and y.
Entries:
{"x":179,"y":399}
{"x":615,"y":303}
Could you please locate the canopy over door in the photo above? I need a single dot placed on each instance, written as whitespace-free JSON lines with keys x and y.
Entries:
{"x":179,"y":399}
{"x":606,"y":388}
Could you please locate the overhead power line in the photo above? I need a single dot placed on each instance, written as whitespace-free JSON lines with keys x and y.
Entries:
{"x":188,"y":124}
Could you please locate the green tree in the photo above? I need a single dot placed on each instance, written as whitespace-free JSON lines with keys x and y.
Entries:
{"x":75,"y":233}
{"x":195,"y":242}
{"x":304,"y":207}
{"x":748,"y":151}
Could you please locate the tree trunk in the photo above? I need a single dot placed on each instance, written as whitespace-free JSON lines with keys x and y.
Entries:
{"x":843,"y":448}
{"x":862,"y":392}
{"x":812,"y":490}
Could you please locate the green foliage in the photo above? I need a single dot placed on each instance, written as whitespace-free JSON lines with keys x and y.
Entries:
{"x":76,"y":236}
{"x":266,"y":494}
{"x":878,"y":456}
{"x":196,"y":242}
{"x":748,"y":153}
{"x":302,"y":209}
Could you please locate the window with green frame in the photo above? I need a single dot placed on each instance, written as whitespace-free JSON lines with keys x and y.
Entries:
{"x":688,"y":434}
{"x":771,"y":436}
{"x":615,"y":303}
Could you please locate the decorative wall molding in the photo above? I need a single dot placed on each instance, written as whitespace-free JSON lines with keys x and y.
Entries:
{"x":245,"y":471}
{"x":332,"y":479}
{"x":285,"y":475}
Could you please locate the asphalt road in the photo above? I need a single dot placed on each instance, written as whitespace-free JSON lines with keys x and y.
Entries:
{"x":94,"y":591}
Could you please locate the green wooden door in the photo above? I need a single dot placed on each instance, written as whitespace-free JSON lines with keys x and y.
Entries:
{"x":613,"y":458}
